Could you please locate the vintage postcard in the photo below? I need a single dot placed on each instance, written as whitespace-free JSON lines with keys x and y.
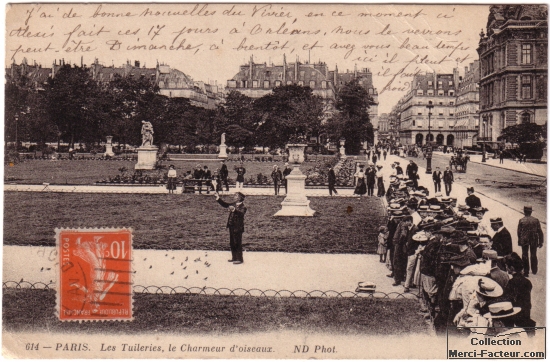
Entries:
{"x":275,"y":181}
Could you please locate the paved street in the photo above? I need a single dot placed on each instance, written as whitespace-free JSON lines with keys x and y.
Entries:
{"x":511,"y":188}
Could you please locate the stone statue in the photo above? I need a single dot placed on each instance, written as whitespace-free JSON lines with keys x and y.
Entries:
{"x":223,"y":139}
{"x":146,"y":134}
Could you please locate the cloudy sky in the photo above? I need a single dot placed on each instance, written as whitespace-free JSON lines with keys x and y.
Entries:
{"x":210,"y":42}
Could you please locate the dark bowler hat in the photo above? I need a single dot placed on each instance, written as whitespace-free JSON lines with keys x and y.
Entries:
{"x":240,"y":195}
{"x":496,"y":220}
{"x":528,"y":209}
{"x":470,"y":189}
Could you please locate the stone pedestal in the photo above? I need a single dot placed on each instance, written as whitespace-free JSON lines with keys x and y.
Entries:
{"x":223,"y":151}
{"x":343,"y":151}
{"x":296,"y":202}
{"x":109,"y":146}
{"x":147,"y":158}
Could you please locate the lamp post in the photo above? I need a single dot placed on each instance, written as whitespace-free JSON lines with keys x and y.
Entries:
{"x":16,"y":130}
{"x":429,"y":139}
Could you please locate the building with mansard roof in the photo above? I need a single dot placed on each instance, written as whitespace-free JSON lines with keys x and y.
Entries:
{"x":454,"y":118}
{"x":258,"y":79}
{"x":513,"y":68}
{"x":172,"y":82}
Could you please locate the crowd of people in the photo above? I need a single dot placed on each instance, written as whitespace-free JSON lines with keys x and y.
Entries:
{"x":461,"y":261}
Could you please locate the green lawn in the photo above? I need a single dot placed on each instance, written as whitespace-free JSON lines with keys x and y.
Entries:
{"x":86,"y":172}
{"x":33,"y":311}
{"x":341,"y":225}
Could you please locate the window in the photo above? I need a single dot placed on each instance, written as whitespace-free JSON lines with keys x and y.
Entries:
{"x":430,"y":92}
{"x":302,"y":74}
{"x":312,"y":84}
{"x":277,"y":83}
{"x":451,"y":93}
{"x":301,"y":84}
{"x":414,"y":122}
{"x":525,"y":118}
{"x":526,"y":54}
{"x":324,"y":84}
{"x":288,"y":82}
{"x":451,"y":83}
{"x":430,"y":83}
{"x":255,"y":84}
{"x":452,"y":103}
{"x":440,"y":92}
{"x":440,"y":103}
{"x":526,"y":86}
{"x":266,"y":84}
{"x":420,"y":92}
{"x":267,"y":73}
{"x":419,"y":113}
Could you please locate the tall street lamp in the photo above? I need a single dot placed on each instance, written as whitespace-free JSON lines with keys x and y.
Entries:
{"x":429,"y":139}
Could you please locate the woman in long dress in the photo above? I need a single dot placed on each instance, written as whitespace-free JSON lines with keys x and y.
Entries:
{"x":172,"y":179}
{"x":361,"y":187}
{"x":380,"y":182}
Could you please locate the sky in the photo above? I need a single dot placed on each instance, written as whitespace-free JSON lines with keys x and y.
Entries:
{"x":209,"y":42}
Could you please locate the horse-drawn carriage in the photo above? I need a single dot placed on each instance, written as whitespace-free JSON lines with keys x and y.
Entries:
{"x":460,"y":162}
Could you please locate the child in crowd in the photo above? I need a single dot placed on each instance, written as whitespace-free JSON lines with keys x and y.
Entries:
{"x":382,"y":243}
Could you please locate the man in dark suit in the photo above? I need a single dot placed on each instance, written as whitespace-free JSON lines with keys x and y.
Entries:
{"x":412,"y":173}
{"x":436,"y":176}
{"x":472,"y":201}
{"x":398,"y":169}
{"x":448,"y":180}
{"x":198,"y":175}
{"x":530,"y":237}
{"x":518,"y":291}
{"x":502,"y":240}
{"x":235,"y":224}
{"x":331,"y":181}
{"x":207,"y":177}
{"x":224,"y":174}
{"x":370,"y":176}
{"x":402,"y":235}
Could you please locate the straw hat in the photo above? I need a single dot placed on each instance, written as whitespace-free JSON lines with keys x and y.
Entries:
{"x":501,"y":310}
{"x":489,"y":288}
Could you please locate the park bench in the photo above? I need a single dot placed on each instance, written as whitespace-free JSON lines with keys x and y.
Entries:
{"x":192,"y":185}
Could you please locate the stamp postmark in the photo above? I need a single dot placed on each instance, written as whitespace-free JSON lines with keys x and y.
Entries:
{"x":94,"y":274}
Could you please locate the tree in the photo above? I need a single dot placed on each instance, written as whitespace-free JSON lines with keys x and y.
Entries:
{"x":70,"y":99}
{"x":524,"y":132}
{"x":352,"y":122}
{"x":291,"y":110}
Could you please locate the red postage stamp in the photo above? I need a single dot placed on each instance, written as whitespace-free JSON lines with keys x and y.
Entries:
{"x":94,"y":274}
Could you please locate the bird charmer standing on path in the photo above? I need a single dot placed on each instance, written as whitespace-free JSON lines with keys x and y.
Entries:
{"x":235,"y":224}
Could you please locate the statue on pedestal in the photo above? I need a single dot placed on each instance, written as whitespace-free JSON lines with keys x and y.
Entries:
{"x":223,"y":139}
{"x":146,"y":134}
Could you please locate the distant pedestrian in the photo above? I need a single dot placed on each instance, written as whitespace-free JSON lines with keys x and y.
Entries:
{"x":277,"y":178}
{"x":224,"y":174}
{"x":374,"y":158}
{"x":370,"y":176}
{"x":360,"y":187}
{"x":172,"y":179}
{"x":524,"y":159}
{"x":207,"y":177}
{"x":436,"y":176}
{"x":382,"y":243}
{"x":331,"y":181}
{"x":71,"y":153}
{"x":398,"y":168}
{"x":197,"y":175}
{"x":286,"y":172}
{"x":385,"y":153}
{"x":240,"y":176}
{"x":448,"y":180}
{"x":412,"y":173}
{"x":530,"y":237}
{"x":380,"y":182}
{"x":472,"y":201}
{"x":501,"y":156}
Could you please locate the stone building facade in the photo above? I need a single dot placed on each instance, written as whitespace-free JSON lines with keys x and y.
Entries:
{"x":454,"y":119}
{"x":258,"y":79}
{"x":172,"y":82}
{"x":513,"y":68}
